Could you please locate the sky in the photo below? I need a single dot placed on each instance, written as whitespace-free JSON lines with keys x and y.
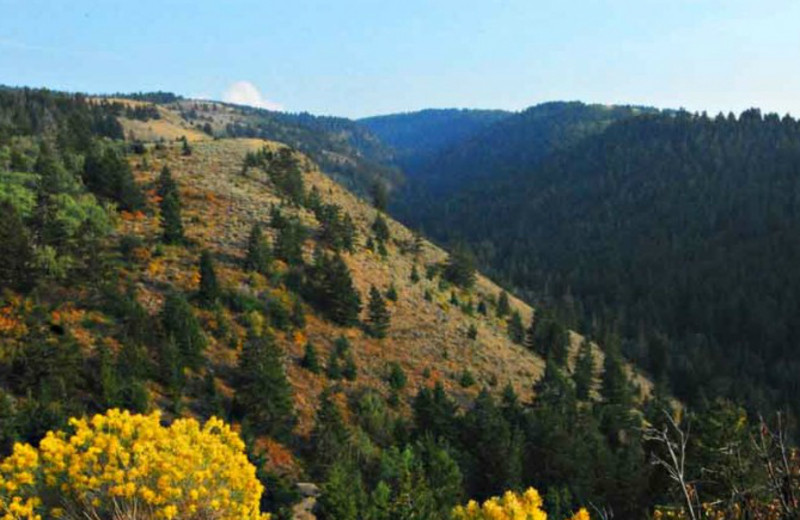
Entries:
{"x":356,"y":58}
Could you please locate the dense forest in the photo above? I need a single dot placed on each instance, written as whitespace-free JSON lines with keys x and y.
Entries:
{"x":675,"y":229}
{"x":88,"y":222}
{"x":416,"y":135}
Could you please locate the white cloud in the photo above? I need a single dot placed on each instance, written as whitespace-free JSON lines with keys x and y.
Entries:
{"x":245,"y":93}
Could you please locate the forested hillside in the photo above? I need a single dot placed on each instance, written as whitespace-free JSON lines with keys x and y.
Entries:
{"x":679,"y":229}
{"x":222,"y":303}
{"x":415,"y":136}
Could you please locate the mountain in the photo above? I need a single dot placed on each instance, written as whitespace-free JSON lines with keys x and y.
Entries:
{"x":512,"y":144}
{"x":415,"y":135}
{"x":347,"y":151}
{"x":150,"y":263}
{"x":677,"y":228}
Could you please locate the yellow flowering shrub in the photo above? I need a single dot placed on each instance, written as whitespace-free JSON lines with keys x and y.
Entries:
{"x":123,"y":465}
{"x":511,"y":506}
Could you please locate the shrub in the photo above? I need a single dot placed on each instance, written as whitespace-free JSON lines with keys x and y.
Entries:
{"x":511,"y":505}
{"x":120,"y":464}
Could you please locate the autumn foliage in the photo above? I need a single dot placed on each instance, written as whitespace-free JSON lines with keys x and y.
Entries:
{"x":120,"y":465}
{"x":511,"y":506}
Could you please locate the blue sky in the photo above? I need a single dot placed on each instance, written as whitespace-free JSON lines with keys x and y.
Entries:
{"x":357,"y":58}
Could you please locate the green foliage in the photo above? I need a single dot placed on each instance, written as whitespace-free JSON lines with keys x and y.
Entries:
{"x":259,"y":254}
{"x":396,"y":377}
{"x":330,"y":288}
{"x":503,"y":308}
{"x":209,"y":288}
{"x":472,"y":332}
{"x":263,"y":395}
{"x":381,"y":229}
{"x":414,"y":277}
{"x":171,"y":220}
{"x":181,"y":327}
{"x":310,"y":359}
{"x":290,"y":238}
{"x":583,"y":375}
{"x":466,"y":379}
{"x":15,"y":249}
{"x":378,"y":318}
{"x":460,"y":268}
{"x":516,"y":330}
{"x":391,"y":292}
{"x":107,"y":174}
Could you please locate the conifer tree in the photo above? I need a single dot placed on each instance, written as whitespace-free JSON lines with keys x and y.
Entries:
{"x":516,"y":330}
{"x":259,"y":255}
{"x":186,"y":150}
{"x":414,"y":274}
{"x":380,"y":228}
{"x":460,"y":268}
{"x":329,"y":437}
{"x":181,"y":325}
{"x":378,"y":319}
{"x":584,"y":371}
{"x":15,"y":249}
{"x":209,"y":289}
{"x":333,"y":291}
{"x":263,"y":395}
{"x":310,"y":359}
{"x":171,"y":221}
{"x":503,"y":307}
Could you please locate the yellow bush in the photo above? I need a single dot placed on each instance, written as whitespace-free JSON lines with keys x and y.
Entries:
{"x":511,"y":506}
{"x":121,"y":465}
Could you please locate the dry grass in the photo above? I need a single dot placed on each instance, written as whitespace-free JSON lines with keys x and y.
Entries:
{"x":427,"y":338}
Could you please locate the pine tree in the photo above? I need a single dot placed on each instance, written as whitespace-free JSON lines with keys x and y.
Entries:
{"x":414,"y":274}
{"x":584,"y":371}
{"x":259,"y":255}
{"x":209,"y":289}
{"x":181,"y":325}
{"x":310,"y":359}
{"x":391,"y":292}
{"x":330,"y":438}
{"x":516,"y":330}
{"x":186,"y":150}
{"x":15,"y":249}
{"x":333,"y":290}
{"x":503,"y":307}
{"x":263,"y":395}
{"x":378,"y":319}
{"x":460,"y":268}
{"x":171,"y":221}
{"x":381,"y":229}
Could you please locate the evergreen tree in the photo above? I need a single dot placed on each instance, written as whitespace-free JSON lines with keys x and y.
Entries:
{"x":343,"y":495}
{"x":516,"y":330}
{"x":186,"y":150}
{"x":381,"y":229}
{"x":298,"y":317}
{"x":209,"y":289}
{"x":181,"y":325}
{"x":331,"y":288}
{"x":460,"y":268}
{"x":503,"y":307}
{"x":310,"y":359}
{"x":15,"y":249}
{"x":171,"y":221}
{"x":584,"y":371}
{"x":391,"y":292}
{"x":330,"y":438}
{"x":414,"y":274}
{"x":435,"y":413}
{"x":263,"y":395}
{"x":496,"y":449}
{"x":290,"y":239}
{"x":378,"y":319}
{"x":259,"y":255}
